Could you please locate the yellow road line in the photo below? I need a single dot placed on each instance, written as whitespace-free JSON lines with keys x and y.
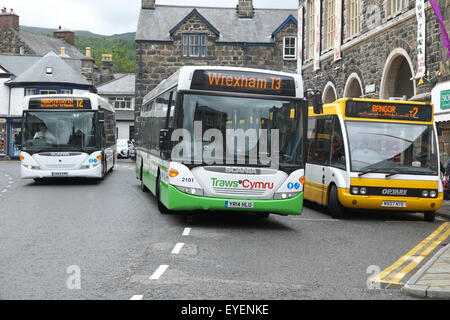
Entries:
{"x":381,"y":277}
{"x":418,"y":259}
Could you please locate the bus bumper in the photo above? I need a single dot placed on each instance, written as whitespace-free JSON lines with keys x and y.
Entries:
{"x":176,"y":200}
{"x":376,"y":202}
{"x":27,"y":173}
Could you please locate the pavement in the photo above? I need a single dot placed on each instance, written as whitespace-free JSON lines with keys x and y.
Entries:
{"x":433,"y":279}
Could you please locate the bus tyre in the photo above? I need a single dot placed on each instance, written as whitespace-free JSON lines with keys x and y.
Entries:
{"x":430,"y":216}
{"x":161,"y":207}
{"x":263,"y":215}
{"x":336,"y":209}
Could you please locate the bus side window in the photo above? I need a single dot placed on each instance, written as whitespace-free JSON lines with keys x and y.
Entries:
{"x":320,"y":145}
{"x":310,"y":138}
{"x":337,"y":147}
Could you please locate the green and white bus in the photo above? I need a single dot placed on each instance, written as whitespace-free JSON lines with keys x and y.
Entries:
{"x":224,"y":139}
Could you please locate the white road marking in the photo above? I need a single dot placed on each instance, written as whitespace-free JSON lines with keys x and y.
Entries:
{"x":177,"y":248}
{"x":186,"y":231}
{"x":159,"y":272}
{"x":137,"y":297}
{"x":4,"y":190}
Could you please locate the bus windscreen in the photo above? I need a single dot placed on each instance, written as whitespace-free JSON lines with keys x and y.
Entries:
{"x":60,"y":103}
{"x":389,"y":111}
{"x":243,"y":82}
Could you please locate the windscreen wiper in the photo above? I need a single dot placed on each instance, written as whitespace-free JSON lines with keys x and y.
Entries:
{"x":391,"y":171}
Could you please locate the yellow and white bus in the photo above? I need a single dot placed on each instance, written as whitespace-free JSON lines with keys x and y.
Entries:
{"x":375,"y":155}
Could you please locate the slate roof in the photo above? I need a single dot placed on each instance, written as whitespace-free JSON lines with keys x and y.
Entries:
{"x":42,"y":44}
{"x":62,"y":72}
{"x":18,"y":64}
{"x":155,"y":25}
{"x":123,"y":85}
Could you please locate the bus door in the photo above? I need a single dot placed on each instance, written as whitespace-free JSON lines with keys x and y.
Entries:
{"x":337,"y":162}
{"x":318,"y":158}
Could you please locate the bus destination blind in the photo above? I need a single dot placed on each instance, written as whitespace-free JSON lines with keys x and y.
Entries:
{"x":60,"y":103}
{"x":389,"y":111}
{"x":243,"y":82}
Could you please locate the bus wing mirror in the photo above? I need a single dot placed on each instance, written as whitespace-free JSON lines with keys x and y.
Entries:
{"x":101,"y":116}
{"x":316,"y":97}
{"x":165,"y":140}
{"x":317,"y":103}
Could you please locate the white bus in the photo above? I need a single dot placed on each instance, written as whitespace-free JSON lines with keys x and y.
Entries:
{"x":205,"y":136}
{"x":67,"y":136}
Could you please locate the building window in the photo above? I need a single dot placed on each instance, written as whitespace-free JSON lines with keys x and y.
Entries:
{"x":329,"y":36}
{"x":397,"y":6}
{"x":66,"y":91}
{"x":194,"y":45}
{"x":311,"y":17}
{"x":289,"y":48}
{"x":47,"y":92}
{"x":21,"y":50}
{"x":354,"y":17}
{"x":30,"y":91}
{"x":120,"y":102}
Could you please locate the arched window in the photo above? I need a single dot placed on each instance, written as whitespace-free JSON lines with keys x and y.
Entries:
{"x":353,"y":87}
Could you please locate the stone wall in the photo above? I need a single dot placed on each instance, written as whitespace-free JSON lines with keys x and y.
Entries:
{"x":367,"y":56}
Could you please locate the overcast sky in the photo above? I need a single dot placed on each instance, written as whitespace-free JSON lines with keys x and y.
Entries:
{"x":106,"y":17}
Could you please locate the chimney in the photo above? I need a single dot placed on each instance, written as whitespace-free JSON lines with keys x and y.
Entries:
{"x":148,"y":4}
{"x":106,"y":70}
{"x":9,"y":20}
{"x":245,"y":8}
{"x":66,"y":35}
{"x":63,"y":53}
{"x":87,"y":65}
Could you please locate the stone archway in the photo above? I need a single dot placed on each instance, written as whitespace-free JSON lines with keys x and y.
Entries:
{"x":329,"y":93}
{"x":396,"y":79}
{"x":353,"y":87}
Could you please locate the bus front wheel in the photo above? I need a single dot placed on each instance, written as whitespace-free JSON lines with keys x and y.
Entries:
{"x":429,"y":216}
{"x":161,"y":207}
{"x":336,"y":209}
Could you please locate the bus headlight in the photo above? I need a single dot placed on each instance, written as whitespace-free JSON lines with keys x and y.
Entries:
{"x":425,"y":194}
{"x":433,"y":194}
{"x":363,"y":191}
{"x":284,"y":195}
{"x":355,"y":190}
{"x":89,"y":166}
{"x":192,"y":191}
{"x":33,"y":167}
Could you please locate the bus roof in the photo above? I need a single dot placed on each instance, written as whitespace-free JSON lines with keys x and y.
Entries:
{"x":183,"y":78}
{"x":97,"y":102}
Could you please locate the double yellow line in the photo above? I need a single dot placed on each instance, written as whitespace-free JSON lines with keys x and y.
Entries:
{"x":396,"y":272}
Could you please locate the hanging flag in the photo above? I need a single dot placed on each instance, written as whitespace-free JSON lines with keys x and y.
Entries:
{"x":420,"y":82}
{"x":445,"y":39}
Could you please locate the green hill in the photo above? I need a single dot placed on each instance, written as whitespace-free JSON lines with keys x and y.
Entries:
{"x":121,"y":46}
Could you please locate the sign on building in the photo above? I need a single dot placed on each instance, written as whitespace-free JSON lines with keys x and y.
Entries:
{"x":445,"y":99}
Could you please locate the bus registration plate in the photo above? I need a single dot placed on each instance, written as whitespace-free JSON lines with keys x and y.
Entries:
{"x":394,"y":204}
{"x":239,"y":204}
{"x":60,"y":174}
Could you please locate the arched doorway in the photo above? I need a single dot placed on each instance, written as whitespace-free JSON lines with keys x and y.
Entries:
{"x":329,"y":93}
{"x":396,"y":80}
{"x":353,"y":87}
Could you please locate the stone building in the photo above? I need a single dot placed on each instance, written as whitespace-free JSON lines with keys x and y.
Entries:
{"x":372,"y":48}
{"x":169,"y":37}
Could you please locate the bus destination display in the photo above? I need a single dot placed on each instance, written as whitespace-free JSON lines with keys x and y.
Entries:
{"x":60,"y":103}
{"x":243,"y":82}
{"x":390,"y":111}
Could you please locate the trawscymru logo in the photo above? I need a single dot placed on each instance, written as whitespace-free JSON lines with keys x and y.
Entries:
{"x":242,"y":184}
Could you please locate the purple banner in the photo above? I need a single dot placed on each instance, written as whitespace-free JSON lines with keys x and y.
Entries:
{"x":445,"y":40}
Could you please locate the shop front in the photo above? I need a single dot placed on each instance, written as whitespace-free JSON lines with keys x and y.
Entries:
{"x":14,"y":137}
{"x":3,"y":138}
{"x":440,"y":97}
